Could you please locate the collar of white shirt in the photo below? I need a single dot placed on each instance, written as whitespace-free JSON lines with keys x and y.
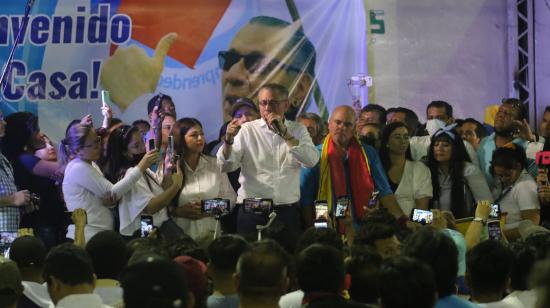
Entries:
{"x":89,"y":300}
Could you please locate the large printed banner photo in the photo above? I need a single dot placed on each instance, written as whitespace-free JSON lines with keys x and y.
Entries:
{"x":202,"y":53}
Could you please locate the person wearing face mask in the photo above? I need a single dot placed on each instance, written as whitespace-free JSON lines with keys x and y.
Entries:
{"x":457,"y":183}
{"x":515,"y":189}
{"x":439,"y":115}
{"x":148,"y":195}
{"x":84,"y":185}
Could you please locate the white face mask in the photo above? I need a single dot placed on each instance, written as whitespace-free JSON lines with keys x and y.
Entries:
{"x":433,"y":125}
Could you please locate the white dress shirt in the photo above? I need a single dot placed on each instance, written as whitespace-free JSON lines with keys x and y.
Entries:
{"x":421,"y":144}
{"x":84,"y":186}
{"x":205,"y":182}
{"x":132,"y":204}
{"x":37,"y":293}
{"x":269,"y":167}
{"x":81,"y":300}
{"x":416,"y":183}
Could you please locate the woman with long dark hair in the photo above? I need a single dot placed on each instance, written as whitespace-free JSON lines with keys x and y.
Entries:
{"x":457,"y":183}
{"x":84,"y":185}
{"x":410,"y":180}
{"x":23,"y":138}
{"x":148,"y":195}
{"x":203,"y":179}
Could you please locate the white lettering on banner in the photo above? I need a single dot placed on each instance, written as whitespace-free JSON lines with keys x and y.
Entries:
{"x":178,"y":82}
{"x":84,"y":28}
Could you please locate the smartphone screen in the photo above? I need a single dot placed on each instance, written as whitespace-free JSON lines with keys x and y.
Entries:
{"x":152,"y":144}
{"x":321,"y":209}
{"x":320,"y":224}
{"x":146,"y":225}
{"x":494,"y":212}
{"x":493,"y":228}
{"x":422,"y":216}
{"x":342,"y":204}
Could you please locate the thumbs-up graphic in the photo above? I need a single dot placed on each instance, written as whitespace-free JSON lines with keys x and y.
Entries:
{"x":130,"y":72}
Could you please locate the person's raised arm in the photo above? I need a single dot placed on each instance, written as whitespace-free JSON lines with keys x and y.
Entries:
{"x":473,"y":234}
{"x":161,"y":201}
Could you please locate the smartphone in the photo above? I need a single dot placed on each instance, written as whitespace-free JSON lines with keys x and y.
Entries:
{"x":493,"y":228}
{"x":152,"y":144}
{"x":257,"y":206}
{"x":6,"y":238}
{"x":495,"y":211}
{"x":321,"y":214}
{"x":215,"y":206}
{"x":105,"y":99}
{"x":146,"y":225}
{"x":422,"y":216}
{"x":342,"y":204}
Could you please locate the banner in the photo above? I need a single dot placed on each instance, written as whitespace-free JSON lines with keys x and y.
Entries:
{"x":202,"y":53}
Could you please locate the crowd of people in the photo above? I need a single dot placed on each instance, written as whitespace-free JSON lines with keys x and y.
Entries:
{"x":369,"y":209}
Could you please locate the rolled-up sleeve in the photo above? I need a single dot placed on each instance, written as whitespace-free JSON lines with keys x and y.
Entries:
{"x":233,"y":162}
{"x":305,"y":152}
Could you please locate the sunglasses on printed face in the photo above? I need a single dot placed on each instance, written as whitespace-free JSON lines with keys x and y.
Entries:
{"x":254,"y":62}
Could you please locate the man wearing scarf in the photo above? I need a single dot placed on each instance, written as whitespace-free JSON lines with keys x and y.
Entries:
{"x":347,"y":168}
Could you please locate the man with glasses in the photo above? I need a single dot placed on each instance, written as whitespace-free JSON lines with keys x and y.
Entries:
{"x":267,"y":50}
{"x":270,"y":152}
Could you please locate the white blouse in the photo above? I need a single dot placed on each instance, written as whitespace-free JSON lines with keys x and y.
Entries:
{"x":416,"y":183}
{"x":206,"y":182}
{"x":84,"y":186}
{"x":133,"y":203}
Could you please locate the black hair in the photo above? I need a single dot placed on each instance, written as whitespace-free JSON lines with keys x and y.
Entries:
{"x":320,"y":268}
{"x":439,"y":251}
{"x":21,"y":127}
{"x":117,"y":162}
{"x":326,"y":236}
{"x":282,"y":234}
{"x":441,"y":104}
{"x":411,"y":119}
{"x":157,"y":100}
{"x":114,"y":121}
{"x":155,"y":283}
{"x":381,"y":111}
{"x":261,"y":269}
{"x":185,"y":245}
{"x":508,"y":157}
{"x":109,"y":254}
{"x":525,"y":257}
{"x":369,"y":233}
{"x":70,"y":264}
{"x":141,"y":121}
{"x":481,"y":132}
{"x":384,"y":139}
{"x":406,"y":282}
{"x":541,"y":242}
{"x":488,"y":267}
{"x":518,"y":106}
{"x":459,"y":157}
{"x":183,"y":125}
{"x":224,"y":252}
{"x":363,"y":266}
{"x":27,"y":252}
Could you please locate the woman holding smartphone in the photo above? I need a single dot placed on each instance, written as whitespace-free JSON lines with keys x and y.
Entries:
{"x":457,"y":183}
{"x":84,"y":185}
{"x":148,"y":195}
{"x":203,"y":179}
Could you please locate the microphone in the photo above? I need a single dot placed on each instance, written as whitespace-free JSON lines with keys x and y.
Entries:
{"x":277,"y":127}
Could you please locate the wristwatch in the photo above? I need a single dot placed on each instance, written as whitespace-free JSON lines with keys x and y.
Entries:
{"x":481,"y":220}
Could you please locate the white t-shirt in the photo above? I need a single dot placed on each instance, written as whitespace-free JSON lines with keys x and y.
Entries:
{"x":84,"y":186}
{"x":133,"y":203}
{"x":37,"y":293}
{"x":416,"y":183}
{"x":522,"y":196}
{"x":516,"y":299}
{"x":206,"y":182}
{"x":292,"y":299}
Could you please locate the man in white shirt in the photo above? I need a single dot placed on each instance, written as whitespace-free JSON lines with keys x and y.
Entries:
{"x":439,"y":114}
{"x":270,"y":152}
{"x":69,"y":273}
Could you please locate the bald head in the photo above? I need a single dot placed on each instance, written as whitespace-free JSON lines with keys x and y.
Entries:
{"x":341,"y":125}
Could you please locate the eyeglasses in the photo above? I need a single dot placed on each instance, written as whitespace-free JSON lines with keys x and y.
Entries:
{"x":96,"y":143}
{"x":254,"y":62}
{"x":271,"y":102}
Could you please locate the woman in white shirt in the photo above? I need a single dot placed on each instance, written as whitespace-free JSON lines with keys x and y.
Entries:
{"x":516,"y":190}
{"x":203,"y":179}
{"x":409,"y":179}
{"x":84,"y":185}
{"x":148,"y":195}
{"x":457,"y":183}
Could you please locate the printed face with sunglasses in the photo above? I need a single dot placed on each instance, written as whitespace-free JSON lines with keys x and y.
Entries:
{"x":255,"y":57}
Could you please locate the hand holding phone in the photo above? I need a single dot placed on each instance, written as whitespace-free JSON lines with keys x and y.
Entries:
{"x":146,"y":225}
{"x":422,"y":217}
{"x":493,"y":228}
{"x":342,"y":205}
